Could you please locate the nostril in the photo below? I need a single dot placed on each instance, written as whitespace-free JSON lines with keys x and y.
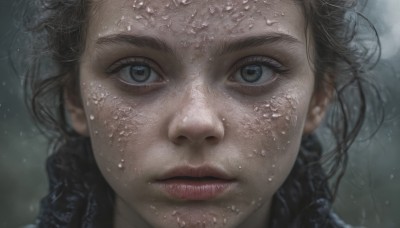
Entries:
{"x":211,"y":139}
{"x":180,"y":139}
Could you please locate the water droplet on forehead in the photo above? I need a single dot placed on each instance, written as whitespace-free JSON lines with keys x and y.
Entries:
{"x":149,"y":10}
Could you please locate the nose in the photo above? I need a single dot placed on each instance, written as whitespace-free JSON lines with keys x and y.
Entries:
{"x":196,"y":121}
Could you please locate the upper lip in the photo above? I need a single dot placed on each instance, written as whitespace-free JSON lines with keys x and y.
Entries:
{"x":195,"y":172}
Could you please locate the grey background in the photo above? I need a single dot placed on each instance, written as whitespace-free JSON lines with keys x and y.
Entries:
{"x":369,"y":194}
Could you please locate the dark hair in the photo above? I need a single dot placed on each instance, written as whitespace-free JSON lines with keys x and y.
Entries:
{"x":79,"y":195}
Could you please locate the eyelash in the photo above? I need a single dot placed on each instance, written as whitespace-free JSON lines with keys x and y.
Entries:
{"x":277,"y":67}
{"x":121,"y":64}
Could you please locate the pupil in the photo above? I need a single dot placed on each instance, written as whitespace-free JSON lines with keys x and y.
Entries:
{"x":251,"y":73}
{"x":140,"y":73}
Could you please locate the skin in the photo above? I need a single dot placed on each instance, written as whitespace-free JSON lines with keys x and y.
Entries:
{"x":197,"y":110}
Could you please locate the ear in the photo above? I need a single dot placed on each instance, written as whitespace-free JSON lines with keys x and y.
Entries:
{"x":76,"y":114}
{"x":319,"y":104}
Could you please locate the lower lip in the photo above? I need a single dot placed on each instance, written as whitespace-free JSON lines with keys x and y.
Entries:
{"x":195,"y":190}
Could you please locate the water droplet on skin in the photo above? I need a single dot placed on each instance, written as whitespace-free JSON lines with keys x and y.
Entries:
{"x":245,"y":1}
{"x":228,"y":8}
{"x":270,"y":179}
{"x":96,"y":132}
{"x":391,"y":176}
{"x":153,"y":207}
{"x":149,"y":10}
{"x":256,"y":109}
{"x":247,"y":7}
{"x":110,"y":135}
{"x":185,"y":2}
{"x":115,"y":117}
{"x":225,"y":220}
{"x":263,"y":153}
{"x":270,"y":22}
{"x":129,"y":28}
{"x":233,"y":208}
{"x":91,"y":117}
{"x":283,"y":133}
{"x":276,"y":115}
{"x":214,"y":220}
{"x":240,"y":167}
{"x":173,"y":213}
{"x":120,"y":165}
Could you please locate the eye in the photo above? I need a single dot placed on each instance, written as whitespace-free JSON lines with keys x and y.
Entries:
{"x":256,"y":70}
{"x":138,"y":74}
{"x":254,"y":73}
{"x":135,"y":72}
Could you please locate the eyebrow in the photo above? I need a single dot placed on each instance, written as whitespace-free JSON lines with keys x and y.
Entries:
{"x":139,"y":41}
{"x":222,"y":49}
{"x":257,"y":41}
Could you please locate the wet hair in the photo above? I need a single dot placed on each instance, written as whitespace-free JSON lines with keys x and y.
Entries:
{"x":346,"y":48}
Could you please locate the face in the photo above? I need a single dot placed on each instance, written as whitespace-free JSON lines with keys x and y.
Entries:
{"x":195,"y":109}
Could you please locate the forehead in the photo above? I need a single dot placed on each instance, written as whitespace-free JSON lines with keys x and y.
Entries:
{"x":191,"y":20}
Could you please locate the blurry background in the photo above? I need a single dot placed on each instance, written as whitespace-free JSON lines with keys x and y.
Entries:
{"x":369,"y":194}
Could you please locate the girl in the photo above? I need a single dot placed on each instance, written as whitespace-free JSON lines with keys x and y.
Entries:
{"x":189,"y":113}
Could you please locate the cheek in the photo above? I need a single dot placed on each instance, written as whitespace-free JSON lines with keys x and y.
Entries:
{"x":271,"y":133}
{"x":113,"y":123}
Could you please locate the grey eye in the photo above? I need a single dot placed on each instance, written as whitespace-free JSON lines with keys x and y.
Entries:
{"x":254,"y":74}
{"x":251,"y":73}
{"x":140,"y":73}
